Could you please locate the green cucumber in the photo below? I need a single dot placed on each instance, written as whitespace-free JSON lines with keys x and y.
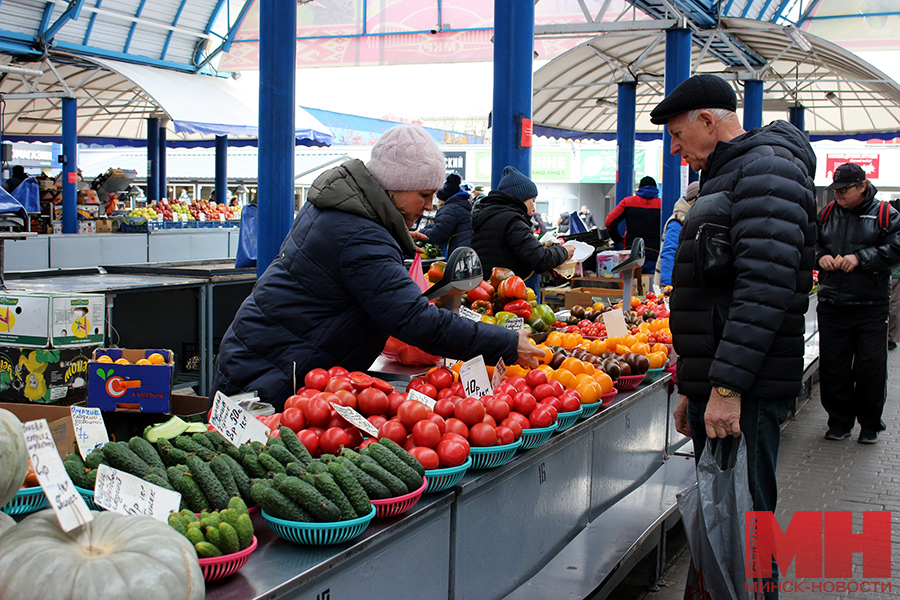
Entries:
{"x":371,"y":467}
{"x":375,"y":490}
{"x":168,"y":430}
{"x":403,"y":455}
{"x":121,"y":457}
{"x":146,"y":451}
{"x":352,"y":489}
{"x":244,"y":529}
{"x":307,"y":497}
{"x":195,"y":428}
{"x":270,"y":463}
{"x":208,"y":482}
{"x":207,"y":550}
{"x":329,"y":488}
{"x":203,"y":441}
{"x":295,"y":446}
{"x":387,"y":459}
{"x":276,"y":504}
{"x":222,"y":470}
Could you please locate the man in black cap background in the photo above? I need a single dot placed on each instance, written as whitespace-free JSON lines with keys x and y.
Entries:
{"x":641,"y":215}
{"x":739,"y":331}
{"x":857,"y":247}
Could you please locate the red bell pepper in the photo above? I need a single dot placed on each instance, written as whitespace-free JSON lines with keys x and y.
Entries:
{"x":511,"y":289}
{"x":520,"y":308}
{"x":484,"y":307}
{"x":484,"y":291}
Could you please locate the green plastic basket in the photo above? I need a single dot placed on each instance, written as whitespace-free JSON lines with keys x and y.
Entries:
{"x":26,"y":500}
{"x":567,"y":419}
{"x":653,"y":374}
{"x":588,"y":410}
{"x":444,"y":479}
{"x":318,"y":534}
{"x":88,"y":497}
{"x":532,"y":438}
{"x":494,"y":456}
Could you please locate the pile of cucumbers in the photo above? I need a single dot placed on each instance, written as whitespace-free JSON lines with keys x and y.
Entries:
{"x":216,"y":533}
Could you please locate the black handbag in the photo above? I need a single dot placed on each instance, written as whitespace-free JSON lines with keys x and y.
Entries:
{"x":714,"y":256}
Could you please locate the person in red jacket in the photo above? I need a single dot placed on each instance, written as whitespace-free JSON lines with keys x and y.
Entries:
{"x":641,"y":214}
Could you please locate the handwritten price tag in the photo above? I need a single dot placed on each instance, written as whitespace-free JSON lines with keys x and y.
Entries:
{"x":121,"y":492}
{"x":356,"y":419}
{"x":474,"y":377}
{"x":420,"y":397}
{"x":666,"y":302}
{"x":235,"y":423}
{"x":515,"y":323}
{"x":90,"y":431}
{"x":70,"y":509}
{"x":499,"y":372}
{"x":470,"y":314}
{"x":615,"y":323}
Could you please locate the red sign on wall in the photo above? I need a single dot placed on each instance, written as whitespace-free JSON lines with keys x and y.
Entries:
{"x":868,"y":162}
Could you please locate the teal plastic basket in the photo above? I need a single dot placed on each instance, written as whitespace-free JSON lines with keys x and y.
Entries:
{"x":88,"y":497}
{"x":26,"y":500}
{"x":318,"y":534}
{"x":653,"y":374}
{"x":588,"y":410}
{"x":532,"y":438}
{"x":494,"y":456}
{"x":566,"y":419}
{"x":444,"y":479}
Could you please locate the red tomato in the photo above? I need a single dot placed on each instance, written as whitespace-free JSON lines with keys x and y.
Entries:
{"x":293,"y":419}
{"x":439,"y":421}
{"x":410,"y":443}
{"x":333,"y":440}
{"x":535,"y":378}
{"x":569,"y":404}
{"x":377,"y":420}
{"x":427,"y":457}
{"x":346,"y":398}
{"x":540,"y":417}
{"x":514,"y":426}
{"x":498,"y":409}
{"x":557,"y":387}
{"x":425,"y":433}
{"x":489,"y":420}
{"x":292,"y":401}
{"x":571,"y":394}
{"x":394,"y":402}
{"x":444,"y":408}
{"x":441,"y":378}
{"x":337,"y":420}
{"x":338,"y":371}
{"x":372,"y":402}
{"x":384,"y":386}
{"x":505,"y":398}
{"x":317,"y":412}
{"x":553,"y":412}
{"x":482,"y":435}
{"x":415,"y":383}
{"x":458,"y":389}
{"x":554,"y":402}
{"x":356,"y":437}
{"x":444,"y":393}
{"x":310,"y":439}
{"x":505,"y":435}
{"x":429,"y":390}
{"x":524,"y":403}
{"x":505,"y":388}
{"x":411,"y":412}
{"x":361,"y":380}
{"x":394,"y":431}
{"x":470,"y":411}
{"x":545,"y":390}
{"x":339,"y":383}
{"x":520,"y":386}
{"x":456,"y":437}
{"x":317,"y":379}
{"x":366,"y":442}
{"x":521,"y":419}
{"x":451,"y":453}
{"x":456,"y":426}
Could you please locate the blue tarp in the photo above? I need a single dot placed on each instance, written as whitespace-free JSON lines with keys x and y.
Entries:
{"x":9,"y":205}
{"x":28,"y":194}
{"x":356,"y":130}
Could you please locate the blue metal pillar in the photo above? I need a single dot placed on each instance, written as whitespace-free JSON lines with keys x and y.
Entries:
{"x":678,"y":68}
{"x":753,"y":101}
{"x":513,"y":56}
{"x":163,"y":187}
{"x":277,"y":60}
{"x":152,"y":159}
{"x":625,"y":129}
{"x":222,"y":169}
{"x":797,"y":117}
{"x":70,"y":168}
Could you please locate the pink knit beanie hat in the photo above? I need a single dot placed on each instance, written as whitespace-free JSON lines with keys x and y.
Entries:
{"x":406,"y":158}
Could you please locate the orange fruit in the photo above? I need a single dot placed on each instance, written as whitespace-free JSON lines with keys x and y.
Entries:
{"x":546,"y":369}
{"x":513,"y":370}
{"x":548,"y":356}
{"x":629,"y":340}
{"x":104,"y":358}
{"x":156,"y":358}
{"x":572,"y":365}
{"x":657,"y":347}
{"x":582,"y":377}
{"x":554,"y":338}
{"x":571,"y":340}
{"x":641,"y":348}
{"x":605,"y":382}
{"x":657,"y":359}
{"x":597,"y":347}
{"x":620,"y":349}
{"x":590,"y":392}
{"x":612,"y":342}
{"x":143,"y":361}
{"x":566,"y":378}
{"x":589,"y":368}
{"x":122,"y":361}
{"x":641,"y":337}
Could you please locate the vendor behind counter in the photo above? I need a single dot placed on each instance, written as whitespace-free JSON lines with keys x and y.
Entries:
{"x":339,"y":288}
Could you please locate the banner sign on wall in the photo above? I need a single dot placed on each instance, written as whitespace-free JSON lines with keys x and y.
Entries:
{"x":868,"y":161}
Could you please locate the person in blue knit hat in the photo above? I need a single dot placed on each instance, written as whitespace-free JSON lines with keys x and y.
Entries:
{"x":452,"y":225}
{"x":502,"y":237}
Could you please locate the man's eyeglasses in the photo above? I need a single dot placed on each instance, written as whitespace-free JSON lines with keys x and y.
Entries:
{"x":844,"y":190}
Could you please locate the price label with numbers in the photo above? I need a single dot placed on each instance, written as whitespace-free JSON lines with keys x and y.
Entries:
{"x":666,"y":302}
{"x":515,"y":323}
{"x":474,"y":378}
{"x":67,"y":503}
{"x":235,"y":423}
{"x":615,"y":323}
{"x":420,"y":397}
{"x":90,"y":431}
{"x":356,"y":419}
{"x":499,"y":372}
{"x":121,"y":492}
{"x":470,"y":314}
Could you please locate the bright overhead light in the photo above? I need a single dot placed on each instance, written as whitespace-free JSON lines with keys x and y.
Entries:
{"x":604,"y":103}
{"x":798,"y":39}
{"x":833,"y":98}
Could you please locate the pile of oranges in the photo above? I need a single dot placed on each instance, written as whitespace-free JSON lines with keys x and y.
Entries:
{"x":154,"y":359}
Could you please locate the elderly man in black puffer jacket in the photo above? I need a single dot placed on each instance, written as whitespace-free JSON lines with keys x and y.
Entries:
{"x":740,"y":337}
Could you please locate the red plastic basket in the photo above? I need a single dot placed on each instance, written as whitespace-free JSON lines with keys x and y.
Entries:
{"x":223,"y":566}
{"x":628,"y":382}
{"x":607,"y":398}
{"x":391,"y":507}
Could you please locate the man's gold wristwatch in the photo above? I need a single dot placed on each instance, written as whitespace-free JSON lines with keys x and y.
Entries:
{"x":726,"y":393}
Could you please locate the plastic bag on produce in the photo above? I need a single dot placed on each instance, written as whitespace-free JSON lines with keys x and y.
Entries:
{"x":408,"y":355}
{"x":415,"y":271}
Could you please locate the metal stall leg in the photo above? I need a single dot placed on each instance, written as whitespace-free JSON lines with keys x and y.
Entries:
{"x":205,"y":344}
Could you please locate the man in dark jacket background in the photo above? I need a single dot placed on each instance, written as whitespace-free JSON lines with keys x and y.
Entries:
{"x":452,"y":225}
{"x":641,"y":215}
{"x":858,"y":245}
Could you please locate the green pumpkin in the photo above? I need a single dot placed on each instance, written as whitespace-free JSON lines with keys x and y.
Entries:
{"x":113,"y":557}
{"x":13,"y":456}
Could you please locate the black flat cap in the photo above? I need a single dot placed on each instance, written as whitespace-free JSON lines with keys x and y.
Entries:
{"x":700,"y":91}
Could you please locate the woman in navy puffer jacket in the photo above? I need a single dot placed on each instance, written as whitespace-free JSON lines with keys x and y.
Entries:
{"x":339,"y":288}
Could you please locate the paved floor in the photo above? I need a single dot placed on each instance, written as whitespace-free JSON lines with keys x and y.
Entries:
{"x":816,"y":474}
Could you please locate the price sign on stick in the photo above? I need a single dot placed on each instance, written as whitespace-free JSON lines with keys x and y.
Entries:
{"x":499,"y":372}
{"x":90,"y":431}
{"x":515,"y":323}
{"x":235,"y":423}
{"x":474,"y":377}
{"x":615,"y":323}
{"x":420,"y":397}
{"x":71,"y":511}
{"x":356,"y":419}
{"x":120,"y":492}
{"x":470,"y":314}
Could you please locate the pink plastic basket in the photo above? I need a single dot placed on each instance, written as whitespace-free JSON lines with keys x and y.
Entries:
{"x":391,"y":507}
{"x":223,"y":566}
{"x":628,"y":382}
{"x":607,"y":398}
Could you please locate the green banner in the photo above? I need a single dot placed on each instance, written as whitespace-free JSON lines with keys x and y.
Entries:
{"x":546,"y":165}
{"x":600,"y":166}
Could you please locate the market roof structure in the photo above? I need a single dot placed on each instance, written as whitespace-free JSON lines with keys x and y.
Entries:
{"x":575,"y":94}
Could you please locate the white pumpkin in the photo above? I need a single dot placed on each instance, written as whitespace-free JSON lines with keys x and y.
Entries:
{"x":13,"y":456}
{"x":113,"y":557}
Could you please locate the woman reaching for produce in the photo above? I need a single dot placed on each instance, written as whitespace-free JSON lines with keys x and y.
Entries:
{"x":338,"y":288}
